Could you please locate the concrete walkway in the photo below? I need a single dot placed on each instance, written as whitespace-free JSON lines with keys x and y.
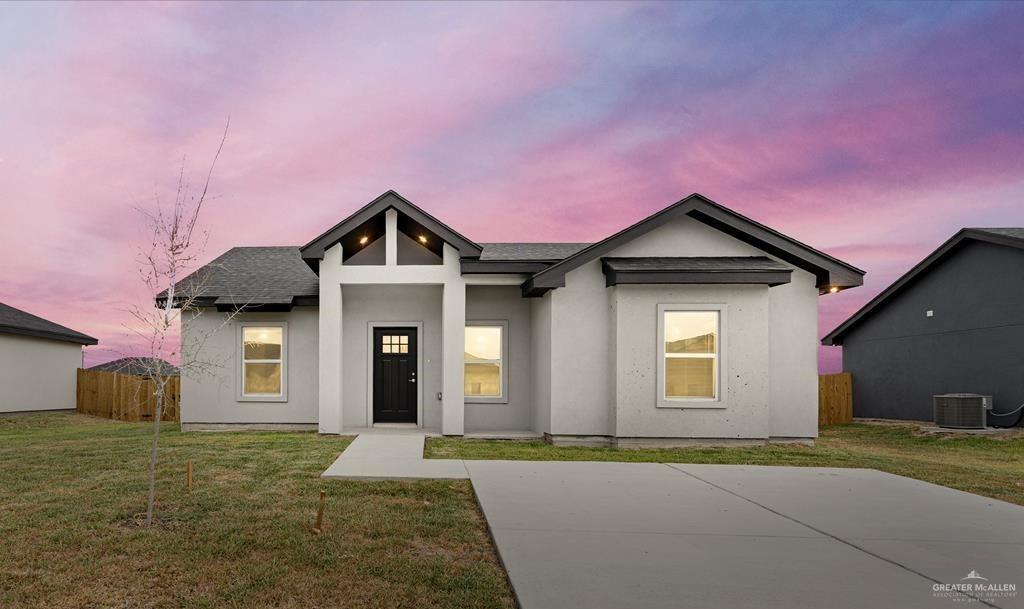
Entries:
{"x":649,"y":535}
{"x":392,"y":456}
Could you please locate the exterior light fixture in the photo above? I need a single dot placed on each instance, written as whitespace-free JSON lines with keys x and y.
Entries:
{"x":833,"y":289}
{"x":363,"y":240}
{"x":423,"y":239}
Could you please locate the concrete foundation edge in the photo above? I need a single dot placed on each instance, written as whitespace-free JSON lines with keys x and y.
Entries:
{"x":639,"y":443}
{"x":248,"y":427}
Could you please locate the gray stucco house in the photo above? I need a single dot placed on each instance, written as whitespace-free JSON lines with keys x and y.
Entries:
{"x":695,"y":323}
{"x":39,"y":362}
{"x":954,"y":323}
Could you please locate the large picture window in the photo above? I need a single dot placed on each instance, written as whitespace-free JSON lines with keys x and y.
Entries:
{"x":263,"y":361}
{"x":690,"y":355}
{"x":484,"y":362}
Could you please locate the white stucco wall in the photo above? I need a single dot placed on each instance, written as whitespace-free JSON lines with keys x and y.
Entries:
{"x":603,"y":345}
{"x":580,"y":357}
{"x":793,"y":310}
{"x":37,"y":373}
{"x":742,"y":410}
{"x":504,"y":303}
{"x":540,"y":352}
{"x":215,"y":398}
{"x":389,"y":303}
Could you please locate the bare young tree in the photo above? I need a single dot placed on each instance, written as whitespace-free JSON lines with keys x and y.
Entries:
{"x":175,"y":247}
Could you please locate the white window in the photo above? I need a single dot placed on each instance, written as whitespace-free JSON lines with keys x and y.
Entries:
{"x":484,"y":368}
{"x":263,"y":349}
{"x":690,"y":354}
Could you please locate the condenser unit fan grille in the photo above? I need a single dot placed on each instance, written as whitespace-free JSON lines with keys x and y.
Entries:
{"x":961,"y":410}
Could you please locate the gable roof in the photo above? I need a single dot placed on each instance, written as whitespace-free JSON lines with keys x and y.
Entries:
{"x":138,"y":366}
{"x":254,"y":277}
{"x":314,"y":250}
{"x":828,"y":270}
{"x":1011,"y":237}
{"x":16,"y":321}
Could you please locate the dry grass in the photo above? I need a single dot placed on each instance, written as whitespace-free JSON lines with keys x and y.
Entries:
{"x":72,"y":487}
{"x":993,"y":467}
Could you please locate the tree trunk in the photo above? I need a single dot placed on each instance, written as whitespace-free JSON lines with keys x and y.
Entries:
{"x":152,"y":453}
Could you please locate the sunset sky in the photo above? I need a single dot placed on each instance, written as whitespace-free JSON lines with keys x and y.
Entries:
{"x":870,"y":131}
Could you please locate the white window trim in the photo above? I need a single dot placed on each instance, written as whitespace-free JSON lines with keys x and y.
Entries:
{"x":502,"y":364}
{"x":721,"y":376}
{"x":240,"y":350}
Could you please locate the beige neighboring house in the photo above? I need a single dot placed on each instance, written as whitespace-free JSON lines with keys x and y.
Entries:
{"x":39,"y":360}
{"x":693,"y":324}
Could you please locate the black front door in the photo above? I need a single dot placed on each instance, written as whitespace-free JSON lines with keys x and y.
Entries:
{"x":394,"y":375}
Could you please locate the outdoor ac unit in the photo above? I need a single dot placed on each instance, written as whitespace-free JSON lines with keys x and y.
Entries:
{"x":961,"y":410}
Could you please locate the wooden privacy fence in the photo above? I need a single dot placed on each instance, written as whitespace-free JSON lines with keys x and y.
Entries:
{"x":835,"y":399}
{"x":124,"y":397}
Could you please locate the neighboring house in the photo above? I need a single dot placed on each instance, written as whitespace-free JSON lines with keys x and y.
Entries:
{"x":39,"y":361}
{"x":138,"y":366}
{"x":695,"y":323}
{"x":953,"y":324}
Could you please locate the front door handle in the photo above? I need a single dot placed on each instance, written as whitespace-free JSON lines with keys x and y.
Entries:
{"x":412,"y":380}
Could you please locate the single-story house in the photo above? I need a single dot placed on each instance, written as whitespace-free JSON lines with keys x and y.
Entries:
{"x":954,"y":323}
{"x":138,"y":366}
{"x":695,"y":323}
{"x":39,"y":362}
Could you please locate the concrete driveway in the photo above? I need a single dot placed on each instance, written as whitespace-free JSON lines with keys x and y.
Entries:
{"x":645,"y":535}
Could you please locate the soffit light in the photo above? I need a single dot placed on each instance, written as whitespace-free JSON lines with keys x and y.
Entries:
{"x":363,"y":240}
{"x":833,"y":289}
{"x":423,"y":239}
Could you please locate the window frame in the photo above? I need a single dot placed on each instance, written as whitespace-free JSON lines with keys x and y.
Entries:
{"x":502,"y":363}
{"x":240,"y":350}
{"x":721,"y":365}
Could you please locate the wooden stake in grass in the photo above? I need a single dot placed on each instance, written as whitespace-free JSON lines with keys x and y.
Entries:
{"x":319,"y":527}
{"x":188,"y":474}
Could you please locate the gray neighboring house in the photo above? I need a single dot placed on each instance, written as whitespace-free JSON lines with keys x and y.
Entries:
{"x":138,"y":366}
{"x":953,"y":323}
{"x":693,"y":324}
{"x":39,"y":360}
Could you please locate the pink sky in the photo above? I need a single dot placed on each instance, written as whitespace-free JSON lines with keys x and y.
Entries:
{"x":872,"y":132}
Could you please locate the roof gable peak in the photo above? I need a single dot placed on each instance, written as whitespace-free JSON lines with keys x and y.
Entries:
{"x":390,"y":199}
{"x":829,"y":271}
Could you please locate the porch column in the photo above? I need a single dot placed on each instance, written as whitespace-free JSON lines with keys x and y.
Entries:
{"x":329,"y":347}
{"x":453,"y":346}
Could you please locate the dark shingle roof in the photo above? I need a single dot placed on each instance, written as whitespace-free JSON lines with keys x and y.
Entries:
{"x":1013,"y":233}
{"x":16,"y":321}
{"x":529,"y":251}
{"x":254,"y":276}
{"x":138,"y":366}
{"x":701,"y":264}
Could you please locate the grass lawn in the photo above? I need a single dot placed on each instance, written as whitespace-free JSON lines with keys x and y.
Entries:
{"x":72,"y":487}
{"x":986,"y":466}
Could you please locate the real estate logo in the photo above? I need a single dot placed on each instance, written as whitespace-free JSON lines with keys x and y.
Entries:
{"x":974,"y":587}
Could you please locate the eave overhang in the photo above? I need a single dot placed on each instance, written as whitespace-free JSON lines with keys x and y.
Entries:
{"x":694,"y":270}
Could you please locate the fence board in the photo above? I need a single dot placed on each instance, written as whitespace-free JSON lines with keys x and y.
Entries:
{"x":124,"y":397}
{"x":835,"y":399}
